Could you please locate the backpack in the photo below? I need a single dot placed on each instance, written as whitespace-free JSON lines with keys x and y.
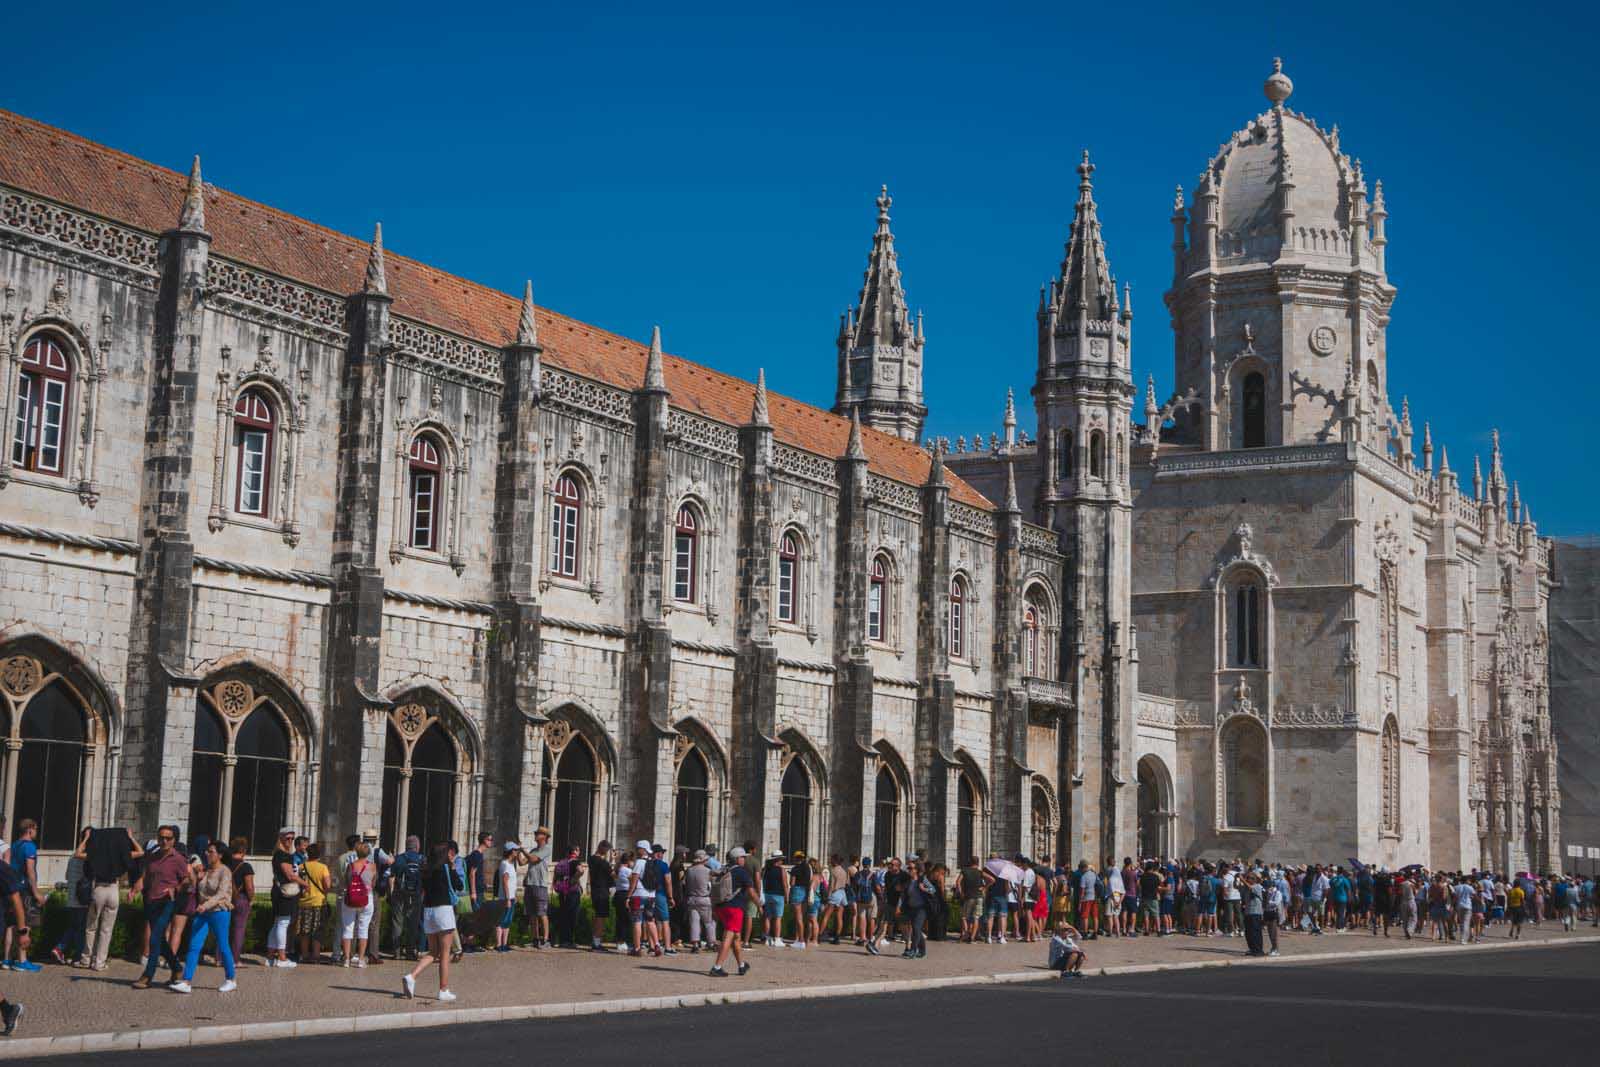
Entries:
{"x":722,"y":886}
{"x":409,"y":875}
{"x":861,"y":886}
{"x":652,"y":875}
{"x":355,"y":887}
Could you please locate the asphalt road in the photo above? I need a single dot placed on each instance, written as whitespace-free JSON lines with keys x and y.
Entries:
{"x":1538,"y":1005}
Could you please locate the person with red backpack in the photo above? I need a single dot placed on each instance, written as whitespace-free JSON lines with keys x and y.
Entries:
{"x":356,"y":904}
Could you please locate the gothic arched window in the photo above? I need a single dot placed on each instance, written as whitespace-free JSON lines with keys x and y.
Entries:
{"x":685,"y":556}
{"x":1246,"y":610}
{"x":44,"y":386}
{"x":1043,"y":831}
{"x":1388,"y":619}
{"x":877,"y":597}
{"x":254,"y":424}
{"x":48,"y":772}
{"x":1244,"y":770}
{"x":788,"y":577}
{"x":958,"y":617}
{"x":1097,"y":455}
{"x":577,"y":795}
{"x":1389,"y":813}
{"x":794,"y":812}
{"x":1064,"y":454}
{"x":426,"y":499}
{"x":966,"y":817}
{"x":419,"y":787}
{"x":1030,"y":641}
{"x":566,"y":527}
{"x":886,"y":814}
{"x":246,"y":795}
{"x":692,"y":807}
{"x":1253,"y":409}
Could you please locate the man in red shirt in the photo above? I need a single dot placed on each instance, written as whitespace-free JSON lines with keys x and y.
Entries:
{"x":166,"y":874}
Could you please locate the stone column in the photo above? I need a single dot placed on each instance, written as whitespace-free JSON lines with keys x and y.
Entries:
{"x":513,"y":648}
{"x":852,"y":749}
{"x":159,"y":733}
{"x":755,"y":679}
{"x":355,"y":609}
{"x":936,"y":699}
{"x":1008,"y":724}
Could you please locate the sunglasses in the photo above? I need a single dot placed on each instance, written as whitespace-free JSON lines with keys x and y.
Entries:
{"x":166,"y":837}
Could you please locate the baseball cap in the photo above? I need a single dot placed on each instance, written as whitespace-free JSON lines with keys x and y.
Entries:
{"x":658,"y":847}
{"x":642,"y":844}
{"x":512,"y":846}
{"x":700,"y":855}
{"x":777,"y":854}
{"x":737,"y":853}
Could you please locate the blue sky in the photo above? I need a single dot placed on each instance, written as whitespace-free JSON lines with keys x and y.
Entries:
{"x":713,"y":170}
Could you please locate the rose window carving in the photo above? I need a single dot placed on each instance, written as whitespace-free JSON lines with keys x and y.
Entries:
{"x":20,"y":675}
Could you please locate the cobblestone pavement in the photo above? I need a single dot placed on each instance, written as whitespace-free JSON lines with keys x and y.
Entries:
{"x":63,"y":1000}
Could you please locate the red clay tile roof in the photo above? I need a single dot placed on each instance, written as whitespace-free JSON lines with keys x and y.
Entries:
{"x":70,"y":170}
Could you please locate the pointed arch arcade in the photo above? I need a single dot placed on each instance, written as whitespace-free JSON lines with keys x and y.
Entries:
{"x":250,"y":760}
{"x":578,"y":786}
{"x":699,"y":786}
{"x":802,"y":794}
{"x":430,"y":762}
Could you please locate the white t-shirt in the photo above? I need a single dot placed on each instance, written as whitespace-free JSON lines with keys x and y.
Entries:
{"x":506,"y":880}
{"x":624,"y":879}
{"x":1230,"y":887}
{"x":639,"y":889}
{"x":1114,"y":880}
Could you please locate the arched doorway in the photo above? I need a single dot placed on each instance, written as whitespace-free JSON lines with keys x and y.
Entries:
{"x":420,"y":774}
{"x":691,"y":813}
{"x":794,"y":813}
{"x":1154,"y":810}
{"x":886,"y":816}
{"x":574,"y":783}
{"x":966,"y":817}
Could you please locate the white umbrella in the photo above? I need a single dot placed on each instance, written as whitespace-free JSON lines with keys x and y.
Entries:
{"x":1004,"y":870}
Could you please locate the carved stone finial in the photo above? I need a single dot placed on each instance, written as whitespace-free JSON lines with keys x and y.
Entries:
{"x":1011,"y":505}
{"x":936,"y":465}
{"x":1177,"y":201}
{"x":192,"y":216}
{"x":377,"y":282}
{"x":655,"y":376}
{"x":855,"y":449}
{"x":758,"y":410}
{"x":527,"y":329}
{"x":1278,"y":86}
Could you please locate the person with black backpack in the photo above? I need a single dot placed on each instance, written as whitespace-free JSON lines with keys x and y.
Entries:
{"x":405,"y":899}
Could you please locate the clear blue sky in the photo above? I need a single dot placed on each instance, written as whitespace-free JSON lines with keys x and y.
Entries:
{"x":714,"y":172}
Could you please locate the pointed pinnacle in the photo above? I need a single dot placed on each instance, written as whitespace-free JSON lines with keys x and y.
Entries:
{"x":936,"y":466}
{"x":855,"y":449}
{"x":655,"y":378}
{"x":1011,"y":504}
{"x":1177,"y":201}
{"x":1011,"y":409}
{"x":527,"y":330}
{"x":758,"y":410}
{"x":192,"y":216}
{"x":377,"y":283}
{"x":1444,"y":460}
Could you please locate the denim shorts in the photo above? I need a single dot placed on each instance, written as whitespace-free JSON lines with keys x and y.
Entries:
{"x":663,"y":913}
{"x":836,"y":899}
{"x":772,"y":905}
{"x":994,"y":909}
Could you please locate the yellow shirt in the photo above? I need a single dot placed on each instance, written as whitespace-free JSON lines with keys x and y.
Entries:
{"x":316,"y":873}
{"x":1514,"y":896}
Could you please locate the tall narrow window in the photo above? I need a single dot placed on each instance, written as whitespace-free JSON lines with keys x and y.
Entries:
{"x":966,"y":818}
{"x":44,"y":382}
{"x":1064,"y":454}
{"x":1388,"y":620}
{"x":425,"y":492}
{"x":1097,"y":455}
{"x":1030,"y":641}
{"x":958,"y":618}
{"x":794,"y":809}
{"x":1244,"y":761}
{"x":684,"y":556}
{"x":1389,"y":817}
{"x":1254,"y":410}
{"x":1244,"y":631}
{"x":566,"y":523}
{"x":886,"y":815}
{"x":877,"y":586}
{"x":252,"y":444}
{"x":788,"y":564}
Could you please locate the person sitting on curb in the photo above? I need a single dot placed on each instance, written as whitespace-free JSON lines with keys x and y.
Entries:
{"x":1066,"y":958}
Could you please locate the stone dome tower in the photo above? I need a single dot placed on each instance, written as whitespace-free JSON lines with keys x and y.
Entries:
{"x":1279,"y":288}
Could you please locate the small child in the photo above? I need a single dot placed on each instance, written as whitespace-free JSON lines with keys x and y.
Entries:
{"x":1065,"y":955}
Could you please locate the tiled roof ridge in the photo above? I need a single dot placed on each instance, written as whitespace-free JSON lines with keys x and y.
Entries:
{"x":508,"y":306}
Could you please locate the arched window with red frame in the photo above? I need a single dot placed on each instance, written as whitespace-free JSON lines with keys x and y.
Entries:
{"x":877,"y":596}
{"x":788,"y":569}
{"x":686,"y":556}
{"x":958,"y":617}
{"x":425,"y":492}
{"x":254,"y":425}
{"x":566,"y":525}
{"x":44,"y":387}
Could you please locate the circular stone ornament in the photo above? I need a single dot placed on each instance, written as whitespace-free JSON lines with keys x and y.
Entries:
{"x":1323,"y":339}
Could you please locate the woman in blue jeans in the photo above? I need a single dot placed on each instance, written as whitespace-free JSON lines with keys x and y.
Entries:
{"x":212,"y":916}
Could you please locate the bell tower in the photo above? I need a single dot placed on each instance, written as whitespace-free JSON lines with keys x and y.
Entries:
{"x":880,"y":349}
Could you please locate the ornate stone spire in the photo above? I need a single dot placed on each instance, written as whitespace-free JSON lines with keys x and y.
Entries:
{"x":1477,"y":478}
{"x":758,"y":410}
{"x":377,"y":283}
{"x":1086,"y":287}
{"x":1497,"y":472}
{"x":655,"y":377}
{"x":192,"y":216}
{"x":879,"y":346}
{"x":1445,"y":473}
{"x":1427,"y":448}
{"x":1152,"y":410}
{"x":1010,"y":421}
{"x":527,"y":330}
{"x":855,"y":449}
{"x":1011,"y":505}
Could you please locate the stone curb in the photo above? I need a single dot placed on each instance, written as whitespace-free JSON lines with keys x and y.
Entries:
{"x":200,"y":1036}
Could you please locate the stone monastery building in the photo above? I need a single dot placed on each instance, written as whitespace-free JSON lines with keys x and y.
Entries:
{"x":294,"y":532}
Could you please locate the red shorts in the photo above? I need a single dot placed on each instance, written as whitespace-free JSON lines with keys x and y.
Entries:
{"x":729,"y":917}
{"x":1088,"y":912}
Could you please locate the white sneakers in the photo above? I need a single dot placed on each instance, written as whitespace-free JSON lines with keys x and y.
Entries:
{"x":228,"y":987}
{"x":181,"y":987}
{"x":777,"y":942}
{"x":361,"y":962}
{"x":446,"y":996}
{"x":409,"y":985}
{"x":797,"y":944}
{"x":288,"y":964}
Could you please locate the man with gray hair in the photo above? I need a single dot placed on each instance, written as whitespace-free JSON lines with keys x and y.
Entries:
{"x":697,"y":902}
{"x":405,"y":899}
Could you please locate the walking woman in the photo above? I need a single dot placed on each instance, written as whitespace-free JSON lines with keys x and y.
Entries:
{"x":213,"y":912}
{"x":244,"y":892}
{"x":917,"y":900}
{"x":442,"y":886}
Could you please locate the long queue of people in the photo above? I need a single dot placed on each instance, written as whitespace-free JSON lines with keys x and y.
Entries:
{"x":197,"y":900}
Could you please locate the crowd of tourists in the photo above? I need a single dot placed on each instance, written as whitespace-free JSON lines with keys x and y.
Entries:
{"x":196,"y":901}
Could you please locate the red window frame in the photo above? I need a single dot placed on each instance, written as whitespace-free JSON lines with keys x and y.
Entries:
{"x":788,"y":568}
{"x":254,"y":419}
{"x":877,"y":595}
{"x":566,"y":527}
{"x":685,"y":556}
{"x":424,"y":494}
{"x":45,"y":369}
{"x":958,"y":604}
